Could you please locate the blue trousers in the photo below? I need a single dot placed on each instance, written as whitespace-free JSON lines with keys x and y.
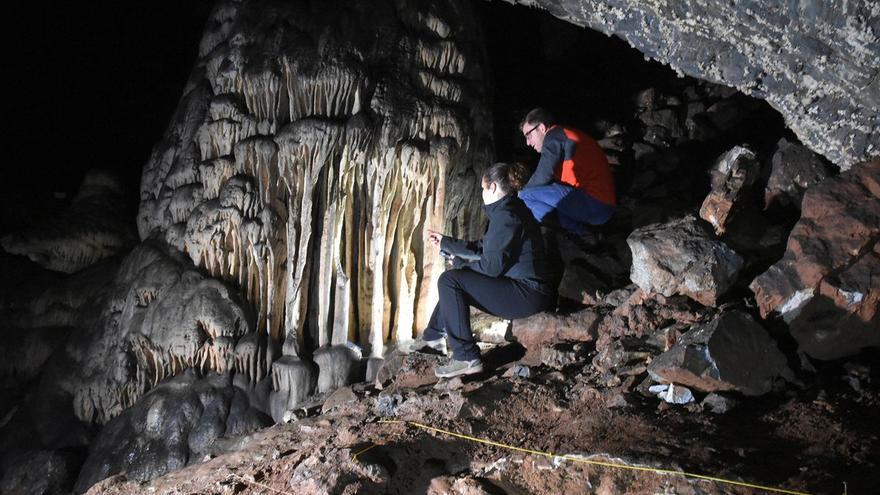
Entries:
{"x":575,"y":208}
{"x":500,"y":296}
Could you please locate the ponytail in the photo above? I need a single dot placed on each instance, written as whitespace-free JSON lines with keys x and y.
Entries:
{"x":510,"y":177}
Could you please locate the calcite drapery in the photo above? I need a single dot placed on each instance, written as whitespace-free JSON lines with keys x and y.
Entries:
{"x":312,"y":149}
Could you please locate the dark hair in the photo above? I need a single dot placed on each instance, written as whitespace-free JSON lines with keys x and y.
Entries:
{"x":539,"y":115}
{"x":510,"y":177}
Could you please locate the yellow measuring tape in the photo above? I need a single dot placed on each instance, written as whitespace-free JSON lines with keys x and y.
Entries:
{"x":581,"y":460}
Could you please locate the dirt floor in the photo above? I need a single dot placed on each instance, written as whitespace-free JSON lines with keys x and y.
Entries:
{"x":818,"y":436}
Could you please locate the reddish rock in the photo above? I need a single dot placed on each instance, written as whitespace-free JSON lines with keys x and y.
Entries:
{"x":732,"y":178}
{"x":544,"y":329}
{"x":843,"y":317}
{"x":840,"y":221}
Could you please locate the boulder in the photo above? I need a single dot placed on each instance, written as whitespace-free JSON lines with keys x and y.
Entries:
{"x":843,"y":318}
{"x":543,"y":329}
{"x":732,"y":177}
{"x":795,"y":169}
{"x":682,"y":257}
{"x":730,"y":353}
{"x":38,"y":472}
{"x":180,"y":418}
{"x":828,"y":271}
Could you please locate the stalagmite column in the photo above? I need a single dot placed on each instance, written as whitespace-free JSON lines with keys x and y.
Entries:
{"x":308,"y":158}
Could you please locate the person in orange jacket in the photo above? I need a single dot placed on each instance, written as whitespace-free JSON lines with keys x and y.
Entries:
{"x":572,"y":177}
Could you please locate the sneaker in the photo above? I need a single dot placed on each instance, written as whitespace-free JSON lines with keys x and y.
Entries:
{"x":422,"y":345}
{"x":456,"y":368}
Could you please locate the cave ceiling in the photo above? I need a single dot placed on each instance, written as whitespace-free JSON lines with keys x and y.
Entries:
{"x":814,"y":61}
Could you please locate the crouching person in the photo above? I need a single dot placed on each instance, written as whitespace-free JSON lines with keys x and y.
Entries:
{"x":505,"y":273}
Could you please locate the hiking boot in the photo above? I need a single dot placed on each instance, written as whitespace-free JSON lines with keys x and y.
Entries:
{"x":422,"y":345}
{"x":456,"y":368}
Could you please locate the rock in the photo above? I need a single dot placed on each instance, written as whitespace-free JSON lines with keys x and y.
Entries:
{"x":38,"y":472}
{"x":622,"y":353}
{"x":843,"y":318}
{"x":726,"y":114}
{"x":155,"y":435}
{"x":96,"y":226}
{"x":338,"y":365}
{"x":580,"y":285}
{"x":293,"y":380}
{"x":518,"y":370}
{"x":663,"y":126}
{"x":718,"y":403}
{"x":409,"y":370}
{"x":339,"y":397}
{"x":682,"y":257}
{"x":374,"y":364}
{"x":490,"y":328}
{"x":731,"y":352}
{"x":803,"y":58}
{"x":543,"y":329}
{"x":559,"y":356}
{"x":732,"y":177}
{"x":828,"y":271}
{"x":795,"y":169}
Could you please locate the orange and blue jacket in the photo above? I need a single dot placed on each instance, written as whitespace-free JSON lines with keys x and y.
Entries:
{"x":572,"y":157}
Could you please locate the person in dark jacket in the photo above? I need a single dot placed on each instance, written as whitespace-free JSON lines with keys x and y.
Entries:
{"x":572,"y":178}
{"x":505,"y":273}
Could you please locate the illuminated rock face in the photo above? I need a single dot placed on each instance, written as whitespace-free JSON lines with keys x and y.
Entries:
{"x":815,"y":62}
{"x":311,"y":151}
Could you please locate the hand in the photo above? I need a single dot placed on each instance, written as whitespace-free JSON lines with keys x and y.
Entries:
{"x":434,"y":237}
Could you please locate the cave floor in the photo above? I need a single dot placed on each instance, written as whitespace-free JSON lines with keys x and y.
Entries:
{"x":817,"y":437}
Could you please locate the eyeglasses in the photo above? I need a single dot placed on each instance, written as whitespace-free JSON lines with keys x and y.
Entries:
{"x":526,"y":135}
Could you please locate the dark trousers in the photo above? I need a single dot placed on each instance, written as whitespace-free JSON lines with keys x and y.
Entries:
{"x":500,"y":296}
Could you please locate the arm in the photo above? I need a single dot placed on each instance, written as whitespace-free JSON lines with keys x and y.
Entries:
{"x":460,"y":248}
{"x":551,"y":158}
{"x":496,"y":256}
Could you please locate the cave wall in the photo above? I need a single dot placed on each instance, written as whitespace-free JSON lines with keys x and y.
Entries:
{"x":814,"y":61}
{"x":313,"y":147}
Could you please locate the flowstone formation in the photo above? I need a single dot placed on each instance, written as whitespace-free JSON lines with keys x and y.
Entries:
{"x":815,"y":62}
{"x":310,"y":154}
{"x":95,"y":226}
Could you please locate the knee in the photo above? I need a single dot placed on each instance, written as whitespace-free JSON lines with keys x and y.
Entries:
{"x":450,"y":279}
